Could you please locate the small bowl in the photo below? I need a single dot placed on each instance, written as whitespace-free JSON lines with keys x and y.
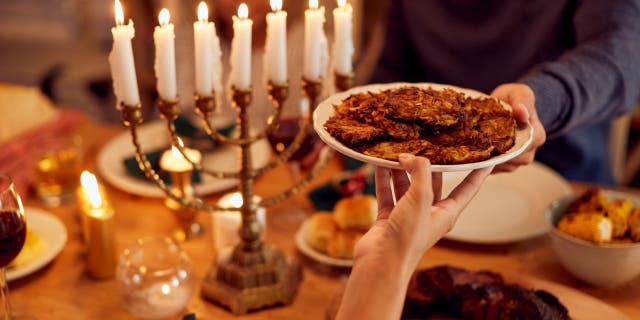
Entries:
{"x":602,"y":265}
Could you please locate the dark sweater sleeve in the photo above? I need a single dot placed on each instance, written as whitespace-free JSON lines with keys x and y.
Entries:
{"x":397,"y":61}
{"x":598,"y":79}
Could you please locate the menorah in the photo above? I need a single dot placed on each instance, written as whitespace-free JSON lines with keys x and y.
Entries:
{"x":255,"y":275}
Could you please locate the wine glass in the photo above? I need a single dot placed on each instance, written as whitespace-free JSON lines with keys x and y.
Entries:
{"x":13,"y":230}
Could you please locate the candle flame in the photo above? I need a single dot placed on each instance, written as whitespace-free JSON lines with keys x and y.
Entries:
{"x":341,"y":3}
{"x":164,"y":16}
{"x":236,"y":200}
{"x":90,"y":184}
{"x":276,"y":5}
{"x":203,"y":12}
{"x":313,"y":4}
{"x":119,"y":13}
{"x":243,"y":11}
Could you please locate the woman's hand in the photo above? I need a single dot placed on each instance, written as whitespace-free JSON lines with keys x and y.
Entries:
{"x":420,"y":218}
{"x":523,"y":101}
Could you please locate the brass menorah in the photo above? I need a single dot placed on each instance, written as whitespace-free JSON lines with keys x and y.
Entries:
{"x":255,"y":275}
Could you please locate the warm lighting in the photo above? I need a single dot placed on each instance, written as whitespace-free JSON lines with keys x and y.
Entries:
{"x":119,"y":13}
{"x":164,"y":16}
{"x":341,"y":3}
{"x":276,"y":5}
{"x":203,"y":12}
{"x":236,"y":200}
{"x":313,"y":4}
{"x":243,"y":11}
{"x":176,"y":153}
{"x":90,"y":184}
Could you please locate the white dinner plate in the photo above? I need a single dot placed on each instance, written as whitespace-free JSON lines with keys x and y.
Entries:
{"x":154,"y":135}
{"x":312,"y":253}
{"x":524,"y":132}
{"x":509,"y":207}
{"x":53,"y":233}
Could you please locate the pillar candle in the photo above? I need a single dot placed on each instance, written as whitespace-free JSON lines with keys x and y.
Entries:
{"x":203,"y":32}
{"x":275,"y":58}
{"x":123,"y":70}
{"x":343,"y":38}
{"x":165,"y":63}
{"x":315,"y":42}
{"x":241,"y":49}
{"x":98,"y":228}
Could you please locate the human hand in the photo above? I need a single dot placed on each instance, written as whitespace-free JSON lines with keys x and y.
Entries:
{"x":405,"y":231}
{"x":522,"y":99}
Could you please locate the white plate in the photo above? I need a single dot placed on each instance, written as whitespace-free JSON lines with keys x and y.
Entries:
{"x":154,"y":135}
{"x":53,"y":233}
{"x":509,"y":206}
{"x":524,"y":132}
{"x":310,"y":252}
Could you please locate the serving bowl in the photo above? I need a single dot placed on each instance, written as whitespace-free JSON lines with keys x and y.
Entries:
{"x":603,"y":265}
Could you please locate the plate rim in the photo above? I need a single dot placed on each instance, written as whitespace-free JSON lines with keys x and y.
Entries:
{"x":55,"y":244}
{"x":121,"y":180}
{"x":327,"y":104}
{"x":313,"y":254}
{"x":562,"y":184}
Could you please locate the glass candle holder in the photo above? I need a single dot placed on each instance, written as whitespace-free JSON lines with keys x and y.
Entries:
{"x":155,"y":277}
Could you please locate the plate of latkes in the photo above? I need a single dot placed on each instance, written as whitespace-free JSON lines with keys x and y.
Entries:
{"x":457,"y":129}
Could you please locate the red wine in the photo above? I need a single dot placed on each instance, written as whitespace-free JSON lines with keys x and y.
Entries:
{"x":12,"y":235}
{"x":286,"y":132}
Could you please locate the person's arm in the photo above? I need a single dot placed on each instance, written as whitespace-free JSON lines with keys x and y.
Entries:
{"x":386,"y":256}
{"x":600,"y":78}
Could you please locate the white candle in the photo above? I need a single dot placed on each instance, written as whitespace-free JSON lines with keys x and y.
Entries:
{"x":315,"y":42}
{"x":275,"y":57}
{"x":216,"y":66}
{"x":165,"y":63}
{"x":226,"y":224}
{"x":343,"y":38}
{"x":241,"y":49}
{"x":203,"y":36}
{"x":123,"y":70}
{"x":173,"y":161}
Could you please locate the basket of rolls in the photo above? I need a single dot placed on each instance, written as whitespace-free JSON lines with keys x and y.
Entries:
{"x":330,"y":237}
{"x":596,"y":236}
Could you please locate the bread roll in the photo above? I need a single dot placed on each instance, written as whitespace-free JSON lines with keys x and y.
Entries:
{"x":320,"y":228}
{"x":358,"y":212}
{"x":343,"y":242}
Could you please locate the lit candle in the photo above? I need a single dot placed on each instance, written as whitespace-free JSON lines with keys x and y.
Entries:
{"x":275,"y":57}
{"x":98,"y":227}
{"x":165,"y":63}
{"x":226,"y":224}
{"x":343,"y":39}
{"x":203,"y":32}
{"x":241,"y":49}
{"x":123,"y":70}
{"x":316,"y":53}
{"x":173,"y":161}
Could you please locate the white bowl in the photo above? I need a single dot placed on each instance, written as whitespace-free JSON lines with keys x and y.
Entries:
{"x":602,"y":265}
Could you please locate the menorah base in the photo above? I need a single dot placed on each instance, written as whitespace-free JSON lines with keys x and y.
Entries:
{"x":246,"y":281}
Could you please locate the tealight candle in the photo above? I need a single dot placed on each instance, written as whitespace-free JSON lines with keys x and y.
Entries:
{"x":240,"y":76}
{"x":98,"y":228}
{"x":173,"y":161}
{"x":165,"y":62}
{"x":343,"y":39}
{"x":316,"y":52}
{"x":123,"y":70}
{"x":226,"y":224}
{"x":275,"y":57}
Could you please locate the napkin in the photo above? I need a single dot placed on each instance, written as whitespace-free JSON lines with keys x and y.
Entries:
{"x":357,"y":179}
{"x":193,"y":136}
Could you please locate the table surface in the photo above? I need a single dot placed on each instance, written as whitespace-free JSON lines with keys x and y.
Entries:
{"x":63,"y":290}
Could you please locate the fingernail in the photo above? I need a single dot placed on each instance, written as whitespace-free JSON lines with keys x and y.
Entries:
{"x":406,"y":157}
{"x":526,"y":111}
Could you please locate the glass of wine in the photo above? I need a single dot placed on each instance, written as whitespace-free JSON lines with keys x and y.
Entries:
{"x":13,"y":230}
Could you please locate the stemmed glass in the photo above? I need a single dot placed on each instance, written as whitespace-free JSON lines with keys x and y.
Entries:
{"x":13,"y":230}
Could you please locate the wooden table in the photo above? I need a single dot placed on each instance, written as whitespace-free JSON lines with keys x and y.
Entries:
{"x":62,"y":290}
